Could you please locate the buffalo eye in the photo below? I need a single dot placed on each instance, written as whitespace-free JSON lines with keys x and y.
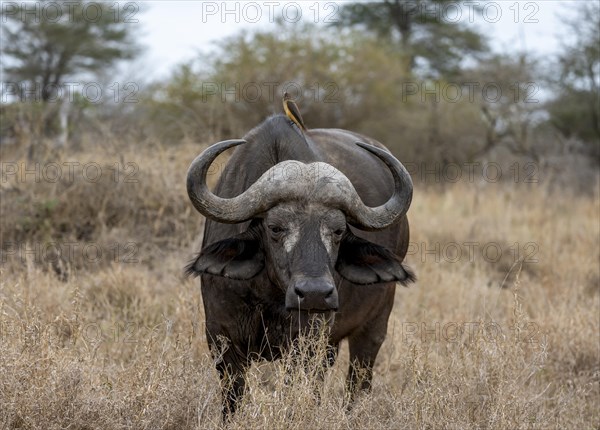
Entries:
{"x":338,"y":233}
{"x":276,"y":231}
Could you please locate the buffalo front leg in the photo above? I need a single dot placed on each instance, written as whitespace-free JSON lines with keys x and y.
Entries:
{"x":232,"y":367}
{"x":233,"y":385}
{"x":364,"y":347}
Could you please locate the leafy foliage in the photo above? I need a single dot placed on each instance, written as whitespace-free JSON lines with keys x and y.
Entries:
{"x":43,"y":49}
{"x":575,"y":111}
{"x":422,"y":30}
{"x":355,"y":82}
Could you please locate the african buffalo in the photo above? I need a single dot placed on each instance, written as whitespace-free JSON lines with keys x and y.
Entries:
{"x":301,"y":224}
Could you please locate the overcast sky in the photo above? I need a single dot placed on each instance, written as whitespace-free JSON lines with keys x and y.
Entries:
{"x":175,"y":31}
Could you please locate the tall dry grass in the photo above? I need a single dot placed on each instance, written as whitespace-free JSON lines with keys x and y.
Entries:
{"x":483,"y":340}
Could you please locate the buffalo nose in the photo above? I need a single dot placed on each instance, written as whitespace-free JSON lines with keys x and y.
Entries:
{"x":312,"y":294}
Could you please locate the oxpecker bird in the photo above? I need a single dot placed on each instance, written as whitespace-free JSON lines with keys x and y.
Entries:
{"x":292,"y":111}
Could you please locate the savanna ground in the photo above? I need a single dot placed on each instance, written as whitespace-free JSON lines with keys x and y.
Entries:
{"x":100,"y":329}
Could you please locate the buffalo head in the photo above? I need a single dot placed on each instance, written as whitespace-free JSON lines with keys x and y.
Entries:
{"x":299,"y":231}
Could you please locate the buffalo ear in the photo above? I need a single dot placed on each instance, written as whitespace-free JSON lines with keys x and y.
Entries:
{"x":239,"y":257}
{"x":363,"y":262}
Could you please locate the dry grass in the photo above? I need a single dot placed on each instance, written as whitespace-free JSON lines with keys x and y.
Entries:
{"x":113,"y":343}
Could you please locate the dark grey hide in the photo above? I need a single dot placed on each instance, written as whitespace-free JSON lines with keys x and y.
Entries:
{"x":264,"y":279}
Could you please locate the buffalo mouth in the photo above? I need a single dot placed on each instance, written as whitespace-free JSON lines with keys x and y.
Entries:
{"x":311,"y":322}
{"x":312,"y":311}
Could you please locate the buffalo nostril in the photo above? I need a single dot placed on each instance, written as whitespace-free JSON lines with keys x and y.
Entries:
{"x":299,"y":293}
